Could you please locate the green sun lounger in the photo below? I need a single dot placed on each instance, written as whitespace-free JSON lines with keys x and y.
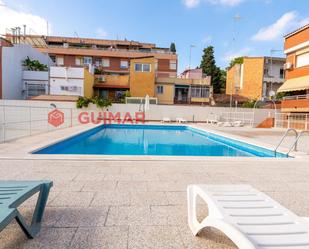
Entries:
{"x":13,"y":194}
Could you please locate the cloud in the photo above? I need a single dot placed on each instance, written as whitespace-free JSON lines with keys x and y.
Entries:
{"x":227,"y":57}
{"x":226,"y":2}
{"x":101,"y":33}
{"x":191,"y":3}
{"x":286,"y":23}
{"x":10,"y":18}
{"x":195,"y":3}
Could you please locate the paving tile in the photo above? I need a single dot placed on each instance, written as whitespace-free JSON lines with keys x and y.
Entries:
{"x":97,"y":186}
{"x":101,"y":238}
{"x":50,"y":238}
{"x":148,"y":198}
{"x":81,"y":217}
{"x":73,"y":199}
{"x":177,"y":197}
{"x":90,"y":177}
{"x":131,"y":186}
{"x":115,"y":198}
{"x":154,"y":237}
{"x":207,"y":239}
{"x":128,"y":216}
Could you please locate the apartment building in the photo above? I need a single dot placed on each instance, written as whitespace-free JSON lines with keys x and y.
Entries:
{"x":111,"y":58}
{"x":256,"y":77}
{"x":71,"y":81}
{"x":17,"y":82}
{"x":296,"y":85}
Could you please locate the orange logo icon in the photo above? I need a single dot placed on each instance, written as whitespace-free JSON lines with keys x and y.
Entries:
{"x":56,"y":118}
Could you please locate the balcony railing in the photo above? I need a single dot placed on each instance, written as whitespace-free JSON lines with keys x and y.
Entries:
{"x":296,"y":97}
{"x":156,"y":51}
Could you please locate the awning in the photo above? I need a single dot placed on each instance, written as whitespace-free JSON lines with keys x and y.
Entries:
{"x":297,"y":84}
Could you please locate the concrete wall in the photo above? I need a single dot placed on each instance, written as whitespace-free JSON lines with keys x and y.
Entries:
{"x":12,"y":58}
{"x":66,"y":77}
{"x":24,"y":118}
{"x":252,"y":84}
{"x":167,"y":97}
{"x":142,"y":83}
{"x":88,"y":83}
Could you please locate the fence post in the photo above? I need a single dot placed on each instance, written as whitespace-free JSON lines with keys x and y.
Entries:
{"x":30,"y":120}
{"x":306,"y":122}
{"x":71,"y":117}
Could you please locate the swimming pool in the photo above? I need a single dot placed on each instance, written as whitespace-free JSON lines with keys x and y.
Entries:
{"x":162,"y":140}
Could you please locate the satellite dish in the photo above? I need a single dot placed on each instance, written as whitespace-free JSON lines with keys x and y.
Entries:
{"x":272,"y":93}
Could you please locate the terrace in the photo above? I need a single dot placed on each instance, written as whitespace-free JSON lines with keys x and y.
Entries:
{"x":129,"y":202}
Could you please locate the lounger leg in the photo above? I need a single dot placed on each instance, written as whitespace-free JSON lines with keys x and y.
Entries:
{"x":37,"y":216}
{"x":192,"y":219}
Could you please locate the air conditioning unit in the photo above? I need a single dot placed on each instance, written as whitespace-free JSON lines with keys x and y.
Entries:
{"x":65,"y":45}
{"x":288,"y":66}
{"x":101,"y":79}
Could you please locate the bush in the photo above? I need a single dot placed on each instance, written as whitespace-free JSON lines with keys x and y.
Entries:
{"x":249,"y":104}
{"x":99,"y":102}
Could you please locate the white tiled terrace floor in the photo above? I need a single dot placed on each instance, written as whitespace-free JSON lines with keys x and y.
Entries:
{"x":141,"y":204}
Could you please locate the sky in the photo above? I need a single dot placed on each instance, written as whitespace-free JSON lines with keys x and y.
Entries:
{"x":233,"y":27}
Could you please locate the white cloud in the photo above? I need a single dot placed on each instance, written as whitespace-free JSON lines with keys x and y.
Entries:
{"x":286,"y":23}
{"x":226,"y":2}
{"x":227,"y":57}
{"x":191,"y":3}
{"x":10,"y":18}
{"x":195,"y":3}
{"x":101,"y":33}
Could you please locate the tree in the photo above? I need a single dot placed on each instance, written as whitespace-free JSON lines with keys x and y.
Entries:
{"x":173,"y":47}
{"x":237,"y":60}
{"x":208,"y":66}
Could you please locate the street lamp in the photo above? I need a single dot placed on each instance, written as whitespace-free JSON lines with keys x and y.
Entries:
{"x":191,"y":46}
{"x":236,"y":18}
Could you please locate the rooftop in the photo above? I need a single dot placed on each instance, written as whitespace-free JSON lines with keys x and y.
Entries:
{"x":297,"y":31}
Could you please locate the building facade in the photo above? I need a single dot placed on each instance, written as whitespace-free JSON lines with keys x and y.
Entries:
{"x":16,"y":82}
{"x":296,"y":85}
{"x":256,"y":77}
{"x":71,"y":81}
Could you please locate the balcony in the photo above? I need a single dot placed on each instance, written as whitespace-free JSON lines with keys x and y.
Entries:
{"x":112,"y":81}
{"x":296,"y":103}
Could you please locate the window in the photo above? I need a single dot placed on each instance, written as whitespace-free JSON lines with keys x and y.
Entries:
{"x":302,"y":60}
{"x":98,"y":62}
{"x":138,"y":67}
{"x":173,"y":64}
{"x":124,"y":64}
{"x":59,"y":61}
{"x":87,"y":60}
{"x":199,"y":92}
{"x":53,"y":58}
{"x":281,"y":73}
{"x":159,"y":89}
{"x":142,"y":67}
{"x":105,"y":62}
{"x":78,"y":61}
{"x":70,"y":88}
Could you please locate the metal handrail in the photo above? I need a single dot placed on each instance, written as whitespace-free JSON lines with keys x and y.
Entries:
{"x":296,"y":140}
{"x":296,"y":97}
{"x":283,"y":137}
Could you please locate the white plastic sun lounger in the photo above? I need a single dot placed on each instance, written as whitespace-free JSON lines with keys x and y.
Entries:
{"x":181,"y":120}
{"x":165,"y":119}
{"x":251,"y":219}
{"x":237,"y":123}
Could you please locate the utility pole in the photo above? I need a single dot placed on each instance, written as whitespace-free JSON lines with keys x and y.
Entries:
{"x":236,"y":18}
{"x":190,"y":54}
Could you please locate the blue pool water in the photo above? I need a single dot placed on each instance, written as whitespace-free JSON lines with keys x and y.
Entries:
{"x":154,"y":140}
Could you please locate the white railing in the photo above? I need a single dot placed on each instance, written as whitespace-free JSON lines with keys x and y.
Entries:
{"x":140,"y":100}
{"x":247,"y":118}
{"x":298,"y":121}
{"x":296,"y":97}
{"x":21,"y":121}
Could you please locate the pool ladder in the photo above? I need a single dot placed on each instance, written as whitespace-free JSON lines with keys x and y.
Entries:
{"x":294,"y":144}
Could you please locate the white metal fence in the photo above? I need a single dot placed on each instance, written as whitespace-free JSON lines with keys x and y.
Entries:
{"x":299,"y":121}
{"x":20,"y":121}
{"x":247,"y":118}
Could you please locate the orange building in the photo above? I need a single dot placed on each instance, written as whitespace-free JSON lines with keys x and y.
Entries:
{"x":296,"y":48}
{"x":256,"y":77}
